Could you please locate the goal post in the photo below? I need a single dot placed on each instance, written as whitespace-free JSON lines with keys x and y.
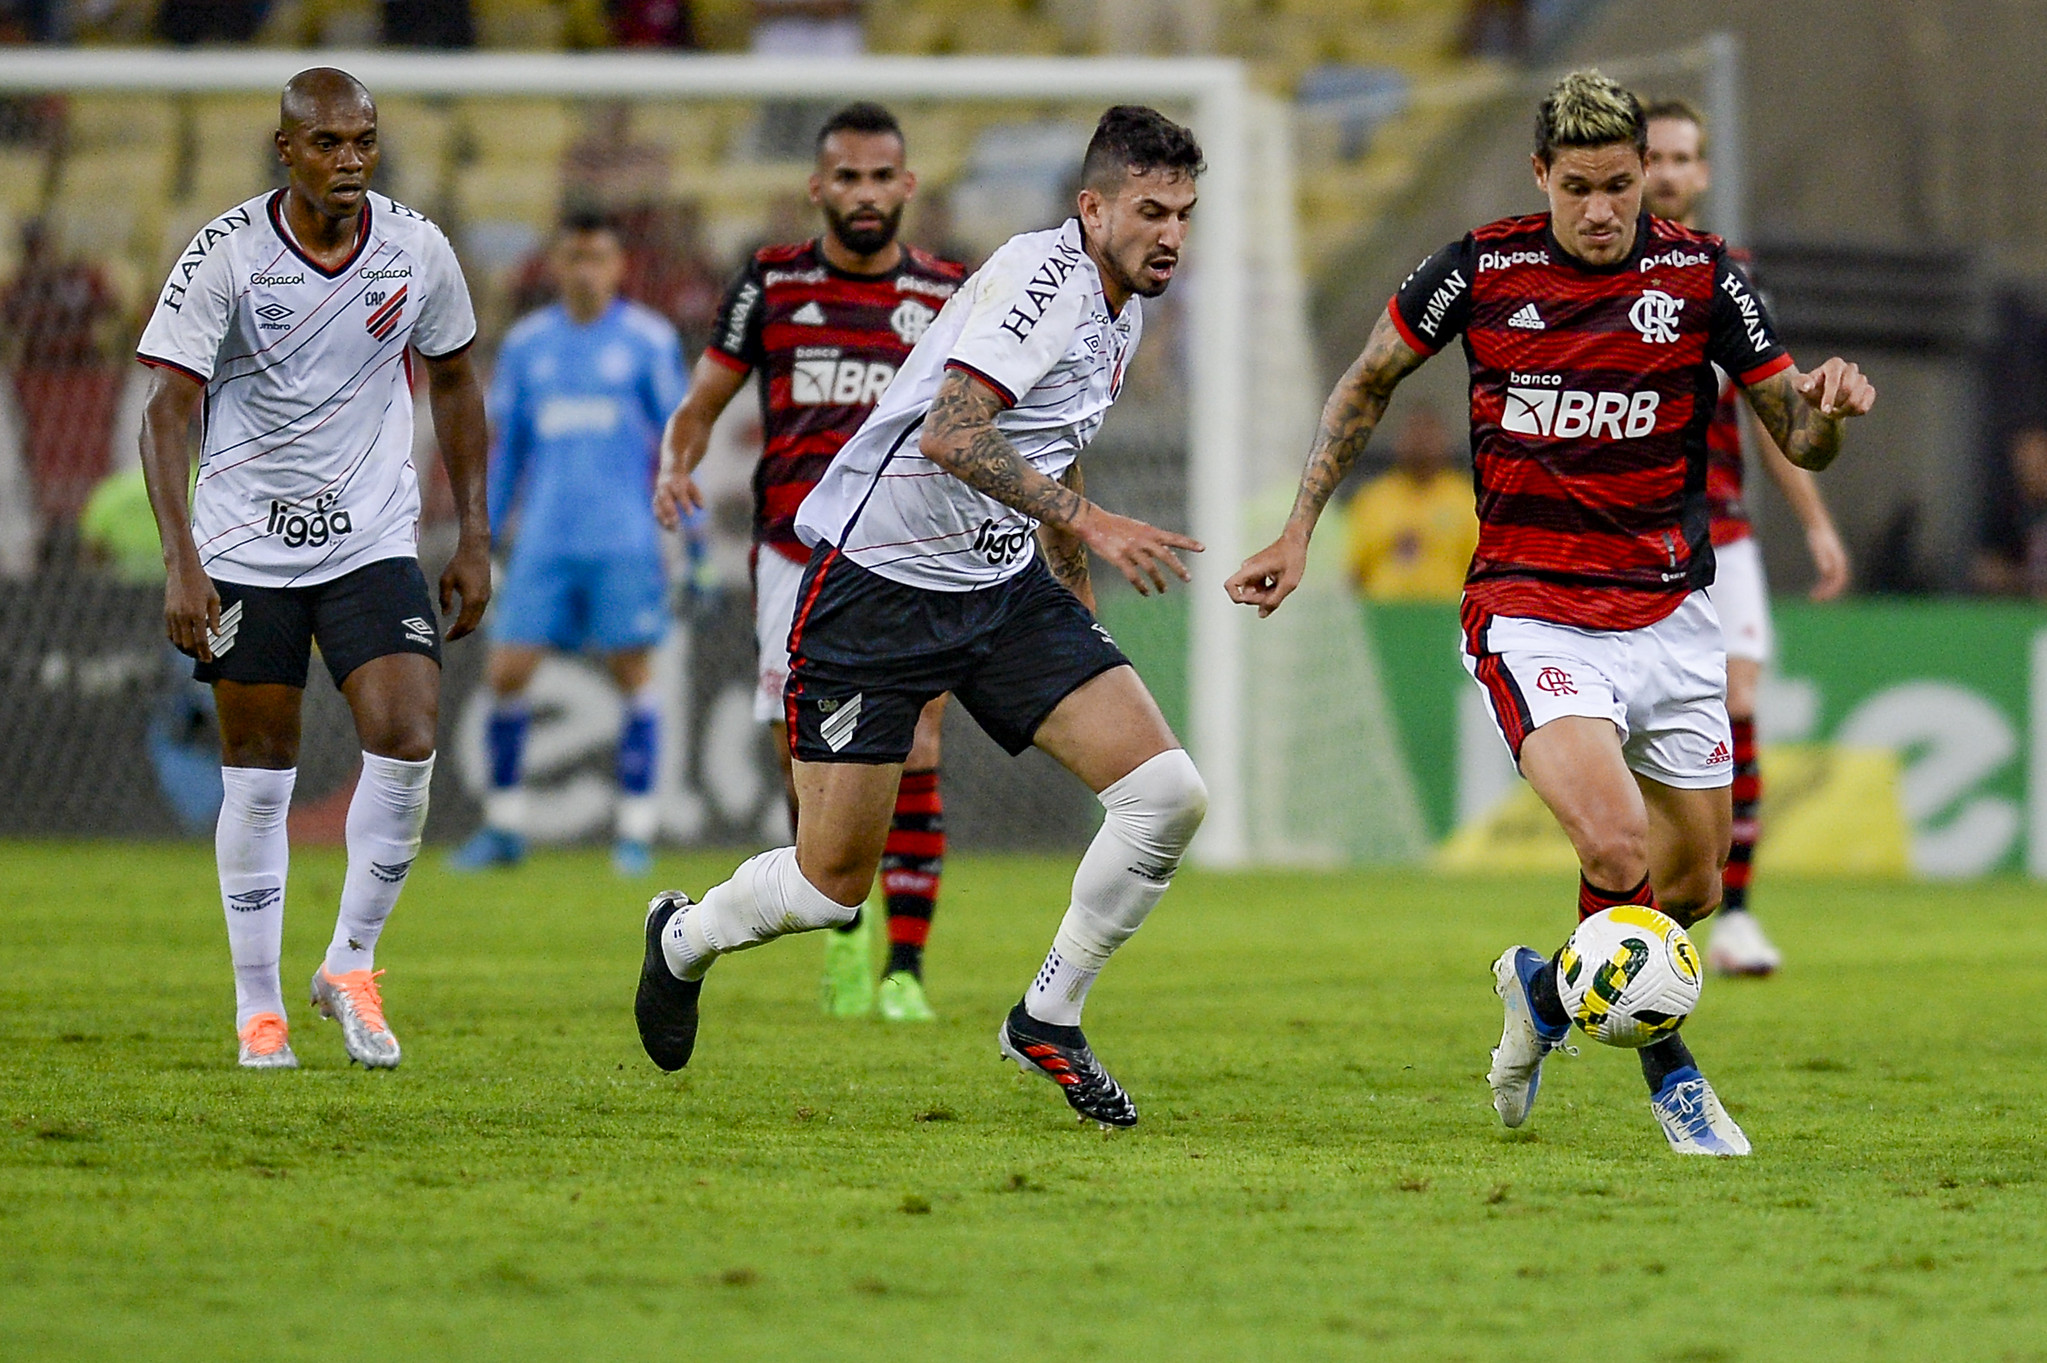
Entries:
{"x":1217,"y":286}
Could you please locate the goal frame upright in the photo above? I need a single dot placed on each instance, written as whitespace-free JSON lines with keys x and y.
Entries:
{"x":1218,"y":264}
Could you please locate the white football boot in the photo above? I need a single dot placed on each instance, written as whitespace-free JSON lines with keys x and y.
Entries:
{"x":1738,"y":946}
{"x":1516,"y":1073}
{"x":1694,"y":1122}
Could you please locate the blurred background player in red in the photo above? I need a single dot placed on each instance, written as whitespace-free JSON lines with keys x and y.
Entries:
{"x":827,"y":322}
{"x":1677,"y":175}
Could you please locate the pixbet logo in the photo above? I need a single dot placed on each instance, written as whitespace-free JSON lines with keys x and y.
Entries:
{"x":1575,"y":415}
{"x":1507,"y":260}
{"x":298,"y":527}
{"x":1556,"y":682}
{"x":1000,"y":545}
{"x":1655,"y":316}
{"x":839,"y":383}
{"x":1676,"y":259}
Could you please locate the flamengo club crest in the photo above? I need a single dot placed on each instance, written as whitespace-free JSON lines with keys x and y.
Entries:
{"x":1655,"y":316}
{"x":1556,"y":682}
{"x":911,"y":320}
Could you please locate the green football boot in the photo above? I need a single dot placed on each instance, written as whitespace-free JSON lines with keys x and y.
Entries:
{"x":902,"y":999}
{"x":849,"y":969}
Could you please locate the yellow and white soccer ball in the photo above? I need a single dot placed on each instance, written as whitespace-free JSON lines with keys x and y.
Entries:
{"x":1629,"y":976}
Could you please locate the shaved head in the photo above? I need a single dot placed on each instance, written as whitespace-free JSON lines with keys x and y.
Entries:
{"x":322,"y":92}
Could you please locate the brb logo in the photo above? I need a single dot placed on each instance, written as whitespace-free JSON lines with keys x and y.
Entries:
{"x":1573,"y":414}
{"x":1556,"y":682}
{"x":1655,"y":316}
{"x":1001,"y":545}
{"x":298,"y":527}
{"x":839,"y":383}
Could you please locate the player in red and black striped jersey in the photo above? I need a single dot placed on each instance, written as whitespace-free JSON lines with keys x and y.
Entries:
{"x":1592,"y":333}
{"x":1677,"y":178}
{"x":826,"y":323}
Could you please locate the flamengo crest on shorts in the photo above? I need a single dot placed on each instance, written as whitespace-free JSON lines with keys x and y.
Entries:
{"x":1592,"y":390}
{"x":306,"y":470}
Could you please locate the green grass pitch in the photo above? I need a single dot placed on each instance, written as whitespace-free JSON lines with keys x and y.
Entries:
{"x":1318,"y":1173}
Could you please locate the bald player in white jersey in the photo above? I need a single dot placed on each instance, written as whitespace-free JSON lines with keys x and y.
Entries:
{"x":293,"y":318}
{"x":925,"y":578}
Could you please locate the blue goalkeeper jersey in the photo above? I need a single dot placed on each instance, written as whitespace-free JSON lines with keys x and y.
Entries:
{"x":576,"y":414}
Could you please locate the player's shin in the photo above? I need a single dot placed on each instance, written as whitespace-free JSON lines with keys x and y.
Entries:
{"x":385,"y":819}
{"x":639,"y":744}
{"x":1152,"y":816}
{"x":253,"y":856}
{"x":766,"y":898}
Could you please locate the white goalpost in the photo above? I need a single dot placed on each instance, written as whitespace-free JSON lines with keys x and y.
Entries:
{"x":1225,"y":117}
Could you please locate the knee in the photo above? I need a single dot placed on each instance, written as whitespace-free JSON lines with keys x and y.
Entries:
{"x":1692,"y":896}
{"x":1614,"y":857}
{"x":1160,"y":805}
{"x":402,"y":742}
{"x":840,"y":875}
{"x":269,"y":752}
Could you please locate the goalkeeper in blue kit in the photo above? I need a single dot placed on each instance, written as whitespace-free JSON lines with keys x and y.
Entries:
{"x":577,"y":403}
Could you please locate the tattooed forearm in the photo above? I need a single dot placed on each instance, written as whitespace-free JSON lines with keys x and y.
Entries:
{"x":1349,"y":418}
{"x":960,"y":437}
{"x":1065,"y":554}
{"x":1808,"y":439}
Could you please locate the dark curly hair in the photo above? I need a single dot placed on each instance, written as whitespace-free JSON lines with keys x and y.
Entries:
{"x":1132,"y":138}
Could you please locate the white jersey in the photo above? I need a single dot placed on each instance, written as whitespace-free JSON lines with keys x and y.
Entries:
{"x":1033,"y":325}
{"x":305,"y":469}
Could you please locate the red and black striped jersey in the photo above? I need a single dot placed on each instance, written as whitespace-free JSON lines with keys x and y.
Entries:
{"x":827,"y":343}
{"x":1724,"y":469}
{"x":1592,"y":388}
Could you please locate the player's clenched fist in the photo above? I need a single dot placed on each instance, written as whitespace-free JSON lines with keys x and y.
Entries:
{"x":1269,"y":576}
{"x":1837,"y":389}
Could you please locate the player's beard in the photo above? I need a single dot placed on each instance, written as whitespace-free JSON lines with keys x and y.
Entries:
{"x":865,"y":241}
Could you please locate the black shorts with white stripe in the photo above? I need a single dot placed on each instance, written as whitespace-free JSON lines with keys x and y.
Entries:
{"x":867,"y":653}
{"x":266,"y":634}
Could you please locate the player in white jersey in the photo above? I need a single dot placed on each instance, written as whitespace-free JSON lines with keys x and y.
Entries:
{"x":292,"y":318}
{"x":925,"y":578}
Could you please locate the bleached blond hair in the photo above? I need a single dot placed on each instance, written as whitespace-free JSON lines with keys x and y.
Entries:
{"x":1585,"y":109}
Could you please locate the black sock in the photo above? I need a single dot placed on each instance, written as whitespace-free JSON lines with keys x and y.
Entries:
{"x":851,"y":924}
{"x":1664,"y":1057}
{"x":904,"y":956}
{"x":1542,"y":992}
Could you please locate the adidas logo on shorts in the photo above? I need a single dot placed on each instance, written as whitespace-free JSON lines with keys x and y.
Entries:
{"x":1720,"y":754}
{"x":837,"y":731}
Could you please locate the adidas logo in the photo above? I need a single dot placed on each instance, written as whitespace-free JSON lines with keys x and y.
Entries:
{"x":837,"y":731}
{"x":1720,"y":754}
{"x":1528,"y":319}
{"x":222,"y":639}
{"x":809,"y":315}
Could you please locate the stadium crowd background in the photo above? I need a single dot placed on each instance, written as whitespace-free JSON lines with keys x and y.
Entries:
{"x":1889,"y":207}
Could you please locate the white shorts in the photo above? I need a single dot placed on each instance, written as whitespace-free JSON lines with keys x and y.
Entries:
{"x":1742,"y":597}
{"x":775,"y":581}
{"x":1663,"y":686}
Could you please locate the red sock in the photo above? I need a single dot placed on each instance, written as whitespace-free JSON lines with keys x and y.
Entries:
{"x":912,"y":861}
{"x":1592,"y":899}
{"x":1748,"y":795}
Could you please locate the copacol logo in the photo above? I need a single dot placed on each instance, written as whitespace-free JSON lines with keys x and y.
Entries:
{"x":297,"y":526}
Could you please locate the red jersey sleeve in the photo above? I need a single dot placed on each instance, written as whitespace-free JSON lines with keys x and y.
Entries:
{"x":736,"y":339}
{"x":1743,"y":340}
{"x":1433,"y":304}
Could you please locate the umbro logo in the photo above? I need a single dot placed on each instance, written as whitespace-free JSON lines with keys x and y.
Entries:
{"x":420,"y":632}
{"x":809,"y":315}
{"x":837,"y":731}
{"x":257,"y":900}
{"x":1528,"y":319}
{"x":1720,"y":754}
{"x":273,"y":312}
{"x":390,"y":872}
{"x":222,"y":639}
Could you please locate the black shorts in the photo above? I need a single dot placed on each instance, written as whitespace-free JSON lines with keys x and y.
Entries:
{"x":866,"y":654}
{"x":267,"y":634}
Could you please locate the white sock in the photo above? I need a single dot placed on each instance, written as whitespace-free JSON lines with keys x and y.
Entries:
{"x":253,"y":855}
{"x":1152,"y":815}
{"x":766,"y":898}
{"x":384,"y":823}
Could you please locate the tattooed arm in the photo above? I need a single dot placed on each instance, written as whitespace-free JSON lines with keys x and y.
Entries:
{"x":960,"y":437}
{"x":1065,"y":553}
{"x":1803,"y":413}
{"x":1348,"y":420}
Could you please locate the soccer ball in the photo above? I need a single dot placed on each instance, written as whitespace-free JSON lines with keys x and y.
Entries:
{"x":1629,"y":976}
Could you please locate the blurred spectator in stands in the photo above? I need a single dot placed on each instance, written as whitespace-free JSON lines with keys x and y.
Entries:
{"x":607,"y":168}
{"x":57,"y":323}
{"x":1496,"y":28}
{"x":429,"y":23}
{"x":652,"y":23}
{"x":2013,"y":558}
{"x":1412,"y":528}
{"x":187,"y":22}
{"x":30,"y":21}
